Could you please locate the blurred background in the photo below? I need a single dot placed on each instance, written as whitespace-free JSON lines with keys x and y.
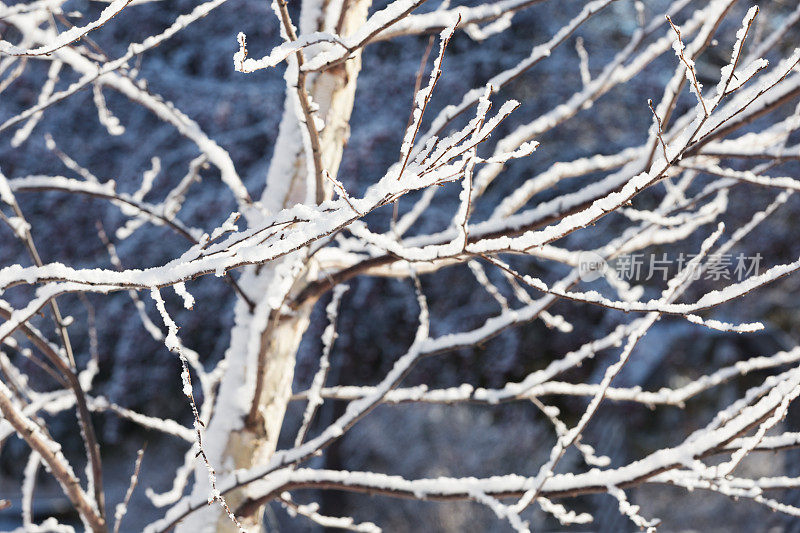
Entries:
{"x":194,"y":70}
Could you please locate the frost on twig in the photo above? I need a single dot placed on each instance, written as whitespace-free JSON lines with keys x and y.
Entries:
{"x":518,"y":230}
{"x":69,"y":36}
{"x":174,"y":344}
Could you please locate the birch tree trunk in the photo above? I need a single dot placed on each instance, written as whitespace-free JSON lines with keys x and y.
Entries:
{"x":257,"y":384}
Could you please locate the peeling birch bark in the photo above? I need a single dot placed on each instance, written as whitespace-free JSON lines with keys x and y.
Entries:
{"x":238,"y":436}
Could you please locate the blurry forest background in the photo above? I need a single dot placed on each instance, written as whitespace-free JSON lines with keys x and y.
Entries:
{"x":241,"y":112}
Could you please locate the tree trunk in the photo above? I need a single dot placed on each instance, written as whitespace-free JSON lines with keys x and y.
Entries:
{"x":242,"y":434}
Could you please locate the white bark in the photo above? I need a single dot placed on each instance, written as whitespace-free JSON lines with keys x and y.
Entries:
{"x":235,"y":440}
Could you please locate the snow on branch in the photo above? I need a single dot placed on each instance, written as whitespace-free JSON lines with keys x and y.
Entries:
{"x":68,"y":37}
{"x":532,"y":205}
{"x":341,"y":49}
{"x":460,"y":16}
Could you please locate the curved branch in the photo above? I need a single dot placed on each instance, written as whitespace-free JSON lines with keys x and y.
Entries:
{"x":68,"y":37}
